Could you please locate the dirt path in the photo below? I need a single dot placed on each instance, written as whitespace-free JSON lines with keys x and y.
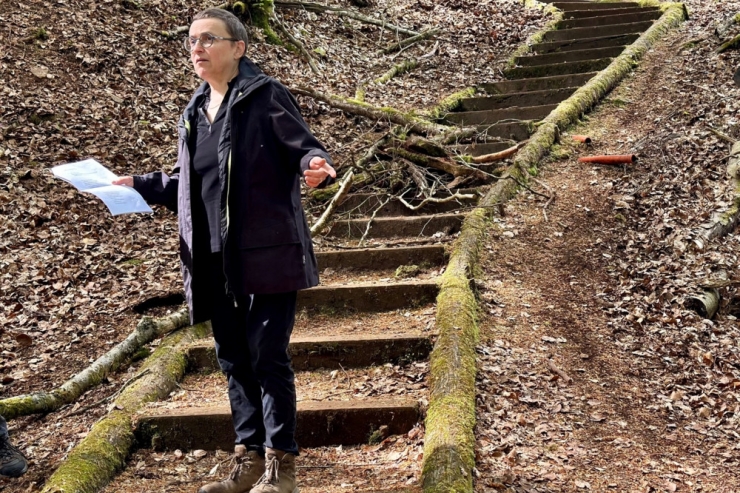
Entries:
{"x":592,"y":375}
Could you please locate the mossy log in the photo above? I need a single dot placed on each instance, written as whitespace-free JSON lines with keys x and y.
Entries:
{"x":97,"y":458}
{"x":449,"y":444}
{"x":146,"y":331}
{"x":398,"y":69}
{"x":729,"y":45}
{"x":726,"y":222}
{"x":449,"y":103}
{"x":409,"y":120}
{"x":449,"y":455}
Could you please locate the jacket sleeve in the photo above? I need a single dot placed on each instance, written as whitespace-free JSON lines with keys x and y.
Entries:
{"x":297,"y":142}
{"x":159,"y":188}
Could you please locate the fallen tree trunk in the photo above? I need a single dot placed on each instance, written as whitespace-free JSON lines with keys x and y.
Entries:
{"x":146,"y":331}
{"x":97,"y":458}
{"x":399,"y":69}
{"x":316,"y":7}
{"x":412,"y":122}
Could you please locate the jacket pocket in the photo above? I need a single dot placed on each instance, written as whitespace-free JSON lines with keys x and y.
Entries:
{"x":283,"y":232}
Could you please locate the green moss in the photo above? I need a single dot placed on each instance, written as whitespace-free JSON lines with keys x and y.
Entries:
{"x":450,"y":103}
{"x":40,"y":34}
{"x":405,"y":271}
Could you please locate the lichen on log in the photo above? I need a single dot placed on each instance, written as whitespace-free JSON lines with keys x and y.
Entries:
{"x":97,"y":458}
{"x":146,"y":331}
{"x":449,"y":455}
{"x":398,"y":69}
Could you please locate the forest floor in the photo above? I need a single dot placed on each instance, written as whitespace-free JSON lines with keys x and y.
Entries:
{"x":596,"y":286}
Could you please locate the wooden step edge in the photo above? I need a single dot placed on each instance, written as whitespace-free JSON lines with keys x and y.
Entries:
{"x":319,"y":424}
{"x":312,"y":353}
{"x":368,"y":259}
{"x":369,"y":297}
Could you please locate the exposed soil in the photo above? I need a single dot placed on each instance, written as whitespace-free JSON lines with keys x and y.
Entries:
{"x":593,"y":374}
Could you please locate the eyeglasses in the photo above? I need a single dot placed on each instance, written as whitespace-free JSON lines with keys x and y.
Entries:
{"x":206,"y":41}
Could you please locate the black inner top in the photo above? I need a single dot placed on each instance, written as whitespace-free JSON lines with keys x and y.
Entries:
{"x":204,"y":159}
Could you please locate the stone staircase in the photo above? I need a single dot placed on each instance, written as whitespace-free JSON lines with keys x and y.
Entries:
{"x":585,"y":41}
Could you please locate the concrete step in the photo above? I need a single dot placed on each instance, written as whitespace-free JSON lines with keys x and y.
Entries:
{"x":567,"y":68}
{"x":585,"y":44}
{"x":494,"y":116}
{"x":596,"y":32}
{"x":582,"y":14}
{"x":569,"y":56}
{"x":382,"y":258}
{"x":608,"y":20}
{"x":534,"y":98}
{"x":319,"y":424}
{"x":369,"y":297}
{"x":509,"y":130}
{"x":481,"y":149}
{"x":539,"y":84}
{"x":392,"y":227}
{"x":312,"y":353}
{"x":484,"y":117}
{"x":566,"y":6}
{"x":367,"y":203}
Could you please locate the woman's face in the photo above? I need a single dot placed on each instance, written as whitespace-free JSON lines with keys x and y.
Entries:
{"x":218,"y":62}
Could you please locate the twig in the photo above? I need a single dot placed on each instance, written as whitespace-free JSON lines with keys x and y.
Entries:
{"x":566,"y":378}
{"x":518,"y":182}
{"x":370,"y":221}
{"x":410,"y":41}
{"x":720,"y":134}
{"x":398,"y":69}
{"x":427,"y":200}
{"x":497,"y":156}
{"x":175,"y":32}
{"x":344,"y":187}
{"x":299,"y":45}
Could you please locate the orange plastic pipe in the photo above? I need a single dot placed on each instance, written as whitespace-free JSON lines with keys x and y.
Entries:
{"x":617,"y":159}
{"x":582,"y":138}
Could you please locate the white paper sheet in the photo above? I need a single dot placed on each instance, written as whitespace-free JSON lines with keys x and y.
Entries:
{"x":92,"y":177}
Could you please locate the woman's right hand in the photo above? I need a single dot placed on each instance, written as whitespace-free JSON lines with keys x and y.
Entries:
{"x":127,"y":181}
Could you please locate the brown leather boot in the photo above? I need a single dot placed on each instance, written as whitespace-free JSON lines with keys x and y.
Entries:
{"x":279,"y":474}
{"x":248,"y":467}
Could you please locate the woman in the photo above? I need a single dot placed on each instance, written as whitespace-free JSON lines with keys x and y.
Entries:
{"x":245,"y":246}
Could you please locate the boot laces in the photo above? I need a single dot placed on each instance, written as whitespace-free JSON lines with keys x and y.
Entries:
{"x":237,"y":465}
{"x":271,"y":472}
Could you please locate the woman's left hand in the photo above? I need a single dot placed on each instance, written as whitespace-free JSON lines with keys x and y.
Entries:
{"x":318,"y":170}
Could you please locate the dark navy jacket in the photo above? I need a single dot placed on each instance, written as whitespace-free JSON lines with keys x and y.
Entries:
{"x":264,"y":148}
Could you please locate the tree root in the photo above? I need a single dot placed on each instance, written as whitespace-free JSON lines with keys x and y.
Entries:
{"x":97,"y":458}
{"x":146,"y":331}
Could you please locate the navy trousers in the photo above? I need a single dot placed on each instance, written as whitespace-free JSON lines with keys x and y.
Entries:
{"x":3,"y":428}
{"x":252,"y":348}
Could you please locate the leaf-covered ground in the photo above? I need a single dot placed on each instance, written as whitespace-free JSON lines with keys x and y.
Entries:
{"x":97,"y":79}
{"x":594,"y":374}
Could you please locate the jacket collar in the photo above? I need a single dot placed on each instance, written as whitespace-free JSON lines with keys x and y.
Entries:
{"x":249,"y":78}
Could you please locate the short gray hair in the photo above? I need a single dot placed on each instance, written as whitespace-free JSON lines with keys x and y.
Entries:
{"x":234,"y":26}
